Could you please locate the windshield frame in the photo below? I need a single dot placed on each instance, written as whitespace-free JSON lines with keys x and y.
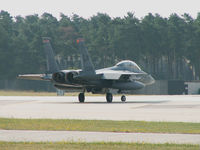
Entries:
{"x":128,"y":65}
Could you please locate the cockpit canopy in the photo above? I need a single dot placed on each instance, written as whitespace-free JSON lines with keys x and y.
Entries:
{"x":128,"y":65}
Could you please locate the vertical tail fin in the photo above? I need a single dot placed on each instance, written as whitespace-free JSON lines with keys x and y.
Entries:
{"x":86,"y":63}
{"x":51,"y":62}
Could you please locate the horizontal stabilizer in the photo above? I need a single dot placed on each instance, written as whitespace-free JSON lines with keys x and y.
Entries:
{"x":35,"y":77}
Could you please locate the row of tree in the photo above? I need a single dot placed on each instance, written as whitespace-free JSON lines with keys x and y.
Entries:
{"x":168,"y":48}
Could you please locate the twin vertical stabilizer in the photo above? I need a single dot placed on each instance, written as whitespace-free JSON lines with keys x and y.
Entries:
{"x":51,"y":62}
{"x":86,"y":63}
{"x":52,"y":66}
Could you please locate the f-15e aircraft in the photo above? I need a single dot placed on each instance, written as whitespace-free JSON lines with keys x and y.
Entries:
{"x":124,"y":76}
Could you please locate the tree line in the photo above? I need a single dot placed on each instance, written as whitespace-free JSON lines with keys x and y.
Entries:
{"x":168,"y":48}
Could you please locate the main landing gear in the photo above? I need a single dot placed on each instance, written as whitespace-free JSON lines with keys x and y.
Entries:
{"x":81,"y":97}
{"x":109,"y":97}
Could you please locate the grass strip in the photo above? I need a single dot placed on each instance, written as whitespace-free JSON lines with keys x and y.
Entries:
{"x":90,"y":146}
{"x":99,"y":125}
{"x":33,"y":93}
{"x":29,"y":93}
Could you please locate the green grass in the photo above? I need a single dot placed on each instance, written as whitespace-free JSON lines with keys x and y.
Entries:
{"x":91,"y":146}
{"x":32,"y":93}
{"x":99,"y":125}
{"x":26,"y":93}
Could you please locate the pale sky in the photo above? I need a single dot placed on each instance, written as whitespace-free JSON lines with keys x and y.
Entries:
{"x":88,"y":8}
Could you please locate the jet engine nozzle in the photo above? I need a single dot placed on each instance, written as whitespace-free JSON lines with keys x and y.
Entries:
{"x":70,"y":76}
{"x":64,"y":77}
{"x":59,"y":77}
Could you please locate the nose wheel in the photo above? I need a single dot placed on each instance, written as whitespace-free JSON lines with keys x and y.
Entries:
{"x":81,"y":97}
{"x":109,"y":97}
{"x":123,"y":98}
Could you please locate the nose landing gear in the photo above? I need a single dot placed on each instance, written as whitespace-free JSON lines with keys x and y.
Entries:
{"x":123,"y":98}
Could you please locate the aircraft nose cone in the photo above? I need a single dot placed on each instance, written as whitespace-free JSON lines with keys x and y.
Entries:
{"x":151,"y":79}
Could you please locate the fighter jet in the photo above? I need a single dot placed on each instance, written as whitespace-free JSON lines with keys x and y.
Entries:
{"x":122,"y":77}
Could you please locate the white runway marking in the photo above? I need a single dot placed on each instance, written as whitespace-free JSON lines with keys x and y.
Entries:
{"x":149,"y":108}
{"x":80,"y":136}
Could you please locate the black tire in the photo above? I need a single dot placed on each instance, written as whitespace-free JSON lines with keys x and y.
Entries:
{"x":109,"y":97}
{"x":123,"y":98}
{"x":81,"y":97}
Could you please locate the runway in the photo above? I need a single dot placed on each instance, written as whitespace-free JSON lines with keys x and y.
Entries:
{"x":147,"y":108}
{"x":82,"y":136}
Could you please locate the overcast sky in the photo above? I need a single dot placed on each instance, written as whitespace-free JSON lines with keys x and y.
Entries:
{"x":88,"y":8}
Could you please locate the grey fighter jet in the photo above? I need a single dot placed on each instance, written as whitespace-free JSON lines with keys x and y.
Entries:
{"x":124,"y":76}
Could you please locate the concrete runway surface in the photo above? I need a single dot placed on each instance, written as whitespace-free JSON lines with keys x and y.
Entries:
{"x":149,"y":108}
{"x":82,"y":136}
{"x":182,"y":108}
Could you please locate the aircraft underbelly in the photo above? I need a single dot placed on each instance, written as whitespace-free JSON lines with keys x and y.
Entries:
{"x":68,"y":86}
{"x":134,"y":85}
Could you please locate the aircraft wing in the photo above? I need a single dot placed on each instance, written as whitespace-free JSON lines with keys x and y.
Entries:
{"x":121,"y":75}
{"x":44,"y":77}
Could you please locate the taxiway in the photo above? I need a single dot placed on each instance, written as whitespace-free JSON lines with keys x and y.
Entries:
{"x":184,"y":108}
{"x":83,"y":136}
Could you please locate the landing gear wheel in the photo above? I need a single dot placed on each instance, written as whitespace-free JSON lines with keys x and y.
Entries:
{"x":81,"y":97}
{"x":123,"y":98}
{"x":109,"y":97}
